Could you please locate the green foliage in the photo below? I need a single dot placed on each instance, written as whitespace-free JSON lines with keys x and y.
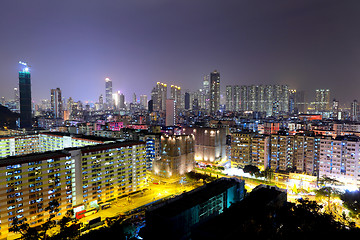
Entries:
{"x":199,"y":176}
{"x":253,"y":170}
{"x":328,"y":193}
{"x":268,"y":173}
{"x":324,"y":181}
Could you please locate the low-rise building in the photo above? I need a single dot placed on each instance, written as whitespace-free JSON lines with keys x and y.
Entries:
{"x":175,"y":218}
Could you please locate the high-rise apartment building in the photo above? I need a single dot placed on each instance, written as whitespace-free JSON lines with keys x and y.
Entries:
{"x":248,"y":148}
{"x":25,"y":96}
{"x":17,"y":99}
{"x":203,"y":95}
{"x":78,"y":176}
{"x":339,"y":159}
{"x":170,"y":112}
{"x":187,"y":101}
{"x":292,"y":101}
{"x":109,"y":93}
{"x":322,"y":100}
{"x":354,"y":115}
{"x":122,"y":101}
{"x":101,"y":99}
{"x":271,"y":99}
{"x":56,"y":103}
{"x":214,"y":92}
{"x":282,"y":152}
{"x":335,"y":110}
{"x":236,"y":98}
{"x":143,"y":101}
{"x":159,"y":96}
{"x":175,"y":93}
{"x":229,"y":98}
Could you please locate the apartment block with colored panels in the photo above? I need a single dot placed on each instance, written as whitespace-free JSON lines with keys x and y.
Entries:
{"x":340,"y":159}
{"x":29,"y":182}
{"x":108,"y":171}
{"x":42,"y":142}
{"x":76,"y":177}
{"x":249,"y":148}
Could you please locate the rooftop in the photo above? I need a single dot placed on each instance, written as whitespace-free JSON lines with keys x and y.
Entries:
{"x":197,"y":196}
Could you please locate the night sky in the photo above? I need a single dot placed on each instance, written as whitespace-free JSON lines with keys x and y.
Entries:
{"x":75,"y":44}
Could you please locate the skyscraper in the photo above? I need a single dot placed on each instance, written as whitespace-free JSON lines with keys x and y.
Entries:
{"x":270,"y":99}
{"x":25,"y":96}
{"x":322,"y":100}
{"x":205,"y":94}
{"x":108,"y":93}
{"x":56,"y":103}
{"x":335,"y":109}
{"x":175,"y":92}
{"x":143,"y":101}
{"x":17,"y":99}
{"x":214,"y":92}
{"x":159,"y":95}
{"x":122,"y":101}
{"x":354,"y":111}
{"x":134,"y":98}
{"x":229,"y":98}
{"x":187,"y":101}
{"x":236,"y":98}
{"x":170,"y":112}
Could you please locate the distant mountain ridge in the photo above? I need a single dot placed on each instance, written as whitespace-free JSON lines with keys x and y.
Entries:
{"x":7,"y":117}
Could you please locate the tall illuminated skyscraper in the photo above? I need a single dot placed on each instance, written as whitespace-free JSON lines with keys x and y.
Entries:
{"x":108,"y":93}
{"x":354,"y":114}
{"x":56,"y":103}
{"x":143,"y":101}
{"x":214,"y":92}
{"x":17,"y":99}
{"x":175,"y":93}
{"x":25,"y":96}
{"x":322,"y":100}
{"x":229,"y":98}
{"x":159,"y":96}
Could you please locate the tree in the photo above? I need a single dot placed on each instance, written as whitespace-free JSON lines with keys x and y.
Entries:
{"x":69,"y":228}
{"x":327,"y":190}
{"x":253,"y":170}
{"x":328,"y":193}
{"x":30,"y":233}
{"x":22,"y":227}
{"x":325,"y":180}
{"x":351,"y":201}
{"x":268,"y":173}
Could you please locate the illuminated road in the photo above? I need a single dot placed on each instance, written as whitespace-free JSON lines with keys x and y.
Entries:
{"x":155,"y":192}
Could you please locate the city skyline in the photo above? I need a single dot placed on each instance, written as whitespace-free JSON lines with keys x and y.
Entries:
{"x":307,"y":45}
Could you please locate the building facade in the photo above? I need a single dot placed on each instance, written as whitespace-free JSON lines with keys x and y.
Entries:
{"x":177,"y":156}
{"x":79,"y":178}
{"x":210,"y":143}
{"x":214,"y":92}
{"x":56,"y":103}
{"x":25,"y":98}
{"x":339,"y":159}
{"x":109,"y":93}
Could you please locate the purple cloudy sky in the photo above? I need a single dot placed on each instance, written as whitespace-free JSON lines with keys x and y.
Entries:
{"x":75,"y":44}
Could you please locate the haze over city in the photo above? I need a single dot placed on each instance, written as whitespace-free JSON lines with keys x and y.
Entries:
{"x":75,"y":45}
